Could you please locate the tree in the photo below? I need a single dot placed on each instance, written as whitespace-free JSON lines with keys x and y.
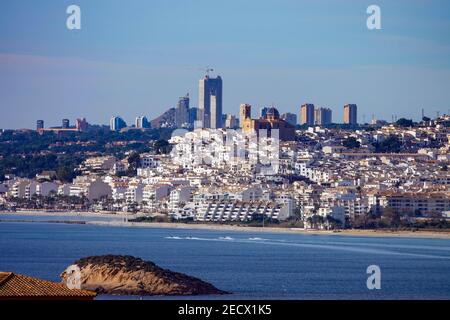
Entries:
{"x":315,"y":221}
{"x":402,"y":122}
{"x":65,"y":174}
{"x":435,"y":215}
{"x":298,"y":213}
{"x":392,"y":217}
{"x":134,"y":160}
{"x":351,"y":143}
{"x":162,"y":146}
{"x":333,"y":223}
{"x":389,"y":145}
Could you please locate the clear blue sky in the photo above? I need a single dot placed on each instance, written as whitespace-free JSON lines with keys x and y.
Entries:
{"x":137,"y":57}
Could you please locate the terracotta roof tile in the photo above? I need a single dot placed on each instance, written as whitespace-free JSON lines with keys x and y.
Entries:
{"x":19,"y":286}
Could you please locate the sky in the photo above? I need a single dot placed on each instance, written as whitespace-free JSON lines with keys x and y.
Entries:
{"x":137,"y":57}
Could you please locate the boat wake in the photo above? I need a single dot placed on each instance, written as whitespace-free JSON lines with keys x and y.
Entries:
{"x":308,"y":245}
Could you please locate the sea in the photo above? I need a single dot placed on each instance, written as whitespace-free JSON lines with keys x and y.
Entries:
{"x":250,"y":265}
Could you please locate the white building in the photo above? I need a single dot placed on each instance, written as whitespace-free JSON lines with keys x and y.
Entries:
{"x":45,"y":188}
{"x":227,"y":210}
{"x":148,"y":161}
{"x":18,"y":188}
{"x":336,"y":212}
{"x":179,"y":197}
{"x":135,"y":193}
{"x":93,"y":189}
{"x":94,"y":164}
{"x":154,"y":194}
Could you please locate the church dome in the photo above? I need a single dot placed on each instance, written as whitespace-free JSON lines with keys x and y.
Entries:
{"x":272,"y":113}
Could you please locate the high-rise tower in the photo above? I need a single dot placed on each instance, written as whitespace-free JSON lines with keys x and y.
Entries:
{"x":142,"y":122}
{"x":245,"y":112}
{"x":350,"y":114}
{"x":322,"y":116}
{"x":210,"y":102}
{"x":116,"y":123}
{"x":65,"y":123}
{"x":39,"y":124}
{"x":307,"y":114}
{"x":182,"y":112}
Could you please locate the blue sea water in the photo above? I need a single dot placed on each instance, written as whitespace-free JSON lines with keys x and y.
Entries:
{"x":251,"y":265}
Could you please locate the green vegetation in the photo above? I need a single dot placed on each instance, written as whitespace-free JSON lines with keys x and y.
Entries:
{"x":98,"y":139}
{"x":162,"y":146}
{"x":151,"y":219}
{"x":351,"y":143}
{"x":133,"y":160}
{"x":390,"y":145}
{"x":27,"y":153}
{"x":30,"y":165}
{"x":392,"y":219}
{"x":402,"y":122}
{"x":51,"y":202}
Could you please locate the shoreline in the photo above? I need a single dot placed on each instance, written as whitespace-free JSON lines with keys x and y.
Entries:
{"x":33,"y":213}
{"x":352,"y":232}
{"x":224,"y":227}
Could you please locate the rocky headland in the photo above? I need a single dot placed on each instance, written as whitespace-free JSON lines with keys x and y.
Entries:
{"x":127,"y":275}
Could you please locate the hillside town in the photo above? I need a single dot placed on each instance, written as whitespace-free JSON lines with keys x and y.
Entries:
{"x":266,"y":171}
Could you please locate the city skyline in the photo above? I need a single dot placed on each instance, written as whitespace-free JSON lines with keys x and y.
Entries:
{"x":210,"y":115}
{"x":361,"y":117}
{"x":317,"y":52}
{"x":228,"y":151}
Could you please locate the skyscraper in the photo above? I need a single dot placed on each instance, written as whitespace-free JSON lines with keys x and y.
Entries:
{"x":290,"y":118}
{"x":307,"y":114}
{"x":39,"y":124}
{"x":193,"y":116}
{"x":182,"y":112}
{"x":65,"y":123}
{"x":142,"y":122}
{"x":263,"y":112}
{"x":231,"y":122}
{"x":81,"y":124}
{"x":210,"y":102}
{"x":117,"y":123}
{"x":322,"y":116}
{"x":245,"y":112}
{"x":350,"y":114}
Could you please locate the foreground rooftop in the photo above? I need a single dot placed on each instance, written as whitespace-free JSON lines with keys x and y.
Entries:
{"x":19,"y":287}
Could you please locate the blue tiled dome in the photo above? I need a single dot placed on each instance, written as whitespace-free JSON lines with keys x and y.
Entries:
{"x":273,"y":113}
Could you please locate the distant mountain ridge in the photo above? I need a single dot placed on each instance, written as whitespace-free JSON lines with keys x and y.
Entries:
{"x":166,"y":120}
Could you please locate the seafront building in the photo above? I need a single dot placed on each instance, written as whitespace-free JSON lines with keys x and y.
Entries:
{"x":223,"y":175}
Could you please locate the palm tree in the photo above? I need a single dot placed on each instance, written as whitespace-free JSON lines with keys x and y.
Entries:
{"x":298,"y":214}
{"x":315,"y":220}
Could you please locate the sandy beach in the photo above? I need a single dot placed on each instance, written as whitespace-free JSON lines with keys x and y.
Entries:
{"x":120,"y":220}
{"x":33,"y":213}
{"x":362,"y":233}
